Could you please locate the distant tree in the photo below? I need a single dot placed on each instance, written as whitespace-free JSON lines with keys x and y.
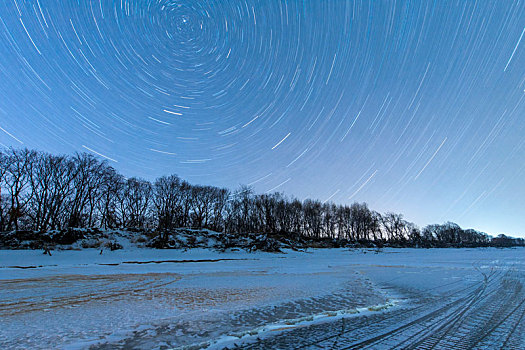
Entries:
{"x":244,"y":200}
{"x":296,"y":212}
{"x":362,"y":222}
{"x":329,"y":212}
{"x":17,"y":178}
{"x":51,"y":186}
{"x":168,"y":198}
{"x":283,"y":215}
{"x":312,"y":211}
{"x":88,"y":178}
{"x":40,"y":191}
{"x":220,"y":200}
{"x":394,"y":226}
{"x":4,"y":165}
{"x":202,"y":201}
{"x":429,"y":233}
{"x":266,"y":207}
{"x":343,"y":217}
{"x":111,"y":186}
{"x":136,"y":199}
{"x":413,"y":234}
{"x":375,"y":225}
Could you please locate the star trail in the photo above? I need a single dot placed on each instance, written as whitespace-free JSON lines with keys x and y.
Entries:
{"x":411,"y":106}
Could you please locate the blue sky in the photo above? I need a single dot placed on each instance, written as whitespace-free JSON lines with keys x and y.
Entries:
{"x":411,"y":106}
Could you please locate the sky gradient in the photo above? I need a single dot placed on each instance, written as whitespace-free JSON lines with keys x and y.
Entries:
{"x":411,"y":106}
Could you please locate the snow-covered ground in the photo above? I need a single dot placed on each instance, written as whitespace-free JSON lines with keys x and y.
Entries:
{"x":145,"y":298}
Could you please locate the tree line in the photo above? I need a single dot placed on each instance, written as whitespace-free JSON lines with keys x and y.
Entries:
{"x":41,"y":192}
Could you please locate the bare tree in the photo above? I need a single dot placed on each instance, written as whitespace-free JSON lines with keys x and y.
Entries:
{"x":375,"y":226}
{"x":220,"y":200}
{"x":329,"y":211}
{"x":266,"y":212}
{"x":413,"y":234}
{"x":111,"y":185}
{"x":313,"y":218}
{"x":245,"y":197}
{"x":168,"y":201}
{"x":136,"y":199}
{"x":17,"y":178}
{"x":342,"y":218}
{"x":40,"y":191}
{"x":4,"y":165}
{"x":296,"y":210}
{"x":201,"y":204}
{"x":361,"y":221}
{"x":394,"y":226}
{"x":89,"y":175}
{"x":51,"y":185}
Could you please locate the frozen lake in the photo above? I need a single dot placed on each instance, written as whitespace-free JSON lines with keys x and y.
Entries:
{"x":333,"y":298}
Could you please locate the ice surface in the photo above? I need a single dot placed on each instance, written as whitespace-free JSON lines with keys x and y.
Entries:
{"x":145,"y":298}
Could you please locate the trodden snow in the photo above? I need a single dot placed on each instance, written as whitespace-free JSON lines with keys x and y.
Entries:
{"x":324,"y":298}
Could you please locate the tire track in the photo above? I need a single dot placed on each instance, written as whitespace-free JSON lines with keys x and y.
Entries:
{"x":475,"y":322}
{"x":486,"y":313}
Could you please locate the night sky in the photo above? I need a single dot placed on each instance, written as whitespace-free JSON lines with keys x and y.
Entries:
{"x":415,"y":107}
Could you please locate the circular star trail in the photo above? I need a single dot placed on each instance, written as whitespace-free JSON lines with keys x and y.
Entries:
{"x":414,"y":107}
